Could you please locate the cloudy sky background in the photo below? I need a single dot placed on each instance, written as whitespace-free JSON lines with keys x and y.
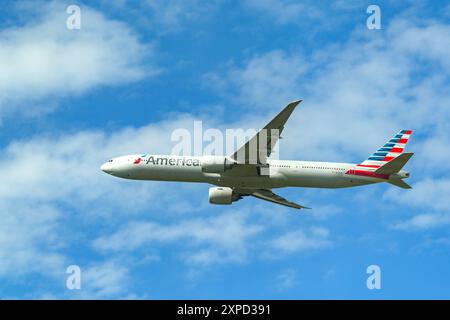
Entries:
{"x":69,"y":100}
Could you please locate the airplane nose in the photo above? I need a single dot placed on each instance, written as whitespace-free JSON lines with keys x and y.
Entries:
{"x":106,"y":167}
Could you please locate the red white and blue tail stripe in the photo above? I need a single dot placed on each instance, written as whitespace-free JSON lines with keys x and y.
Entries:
{"x":389,"y":151}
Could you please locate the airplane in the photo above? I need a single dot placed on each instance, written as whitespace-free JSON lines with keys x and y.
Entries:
{"x":249,"y":172}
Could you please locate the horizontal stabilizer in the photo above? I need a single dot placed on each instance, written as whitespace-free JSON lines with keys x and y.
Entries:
{"x":400,"y":183}
{"x":395,"y":165}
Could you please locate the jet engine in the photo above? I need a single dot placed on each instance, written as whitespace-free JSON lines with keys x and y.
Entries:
{"x":216,"y":164}
{"x":222,"y":195}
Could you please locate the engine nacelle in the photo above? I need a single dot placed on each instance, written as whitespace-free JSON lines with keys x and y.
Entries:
{"x":222,"y":195}
{"x":216,"y":164}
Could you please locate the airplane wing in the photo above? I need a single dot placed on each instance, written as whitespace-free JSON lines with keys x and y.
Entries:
{"x":268,"y":195}
{"x":258,"y":148}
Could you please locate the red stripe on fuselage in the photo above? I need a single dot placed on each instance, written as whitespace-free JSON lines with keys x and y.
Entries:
{"x":369,"y":165}
{"x":365,"y":173}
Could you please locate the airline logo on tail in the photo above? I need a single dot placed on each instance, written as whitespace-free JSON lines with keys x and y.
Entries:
{"x":389,"y":151}
{"x":376,"y":166}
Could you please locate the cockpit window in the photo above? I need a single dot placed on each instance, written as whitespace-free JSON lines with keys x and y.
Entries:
{"x":110,"y":160}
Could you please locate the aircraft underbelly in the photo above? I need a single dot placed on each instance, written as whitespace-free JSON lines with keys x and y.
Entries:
{"x":257,"y":182}
{"x":328,"y":180}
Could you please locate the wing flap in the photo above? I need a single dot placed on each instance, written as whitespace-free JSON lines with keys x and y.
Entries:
{"x":268,"y":195}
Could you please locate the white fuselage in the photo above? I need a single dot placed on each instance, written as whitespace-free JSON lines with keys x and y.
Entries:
{"x":282,"y":173}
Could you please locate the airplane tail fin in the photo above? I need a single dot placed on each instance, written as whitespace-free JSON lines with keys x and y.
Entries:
{"x":390,"y":151}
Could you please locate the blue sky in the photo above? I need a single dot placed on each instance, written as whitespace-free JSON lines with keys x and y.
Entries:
{"x":132,"y":74}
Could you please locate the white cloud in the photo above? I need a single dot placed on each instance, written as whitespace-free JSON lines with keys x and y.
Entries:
{"x":166,"y":16}
{"x":173,"y":15}
{"x":287,"y":279}
{"x":428,"y":42}
{"x":427,"y":194}
{"x":28,"y":241}
{"x":312,"y":13}
{"x":231,"y":237}
{"x":424,"y":221}
{"x":266,"y":81}
{"x":302,"y":240}
{"x":220,"y":239}
{"x":48,"y":181}
{"x":104,"y":280}
{"x":43,"y":60}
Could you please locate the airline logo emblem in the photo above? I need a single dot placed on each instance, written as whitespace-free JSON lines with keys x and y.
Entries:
{"x":390,"y":150}
{"x":138,"y":160}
